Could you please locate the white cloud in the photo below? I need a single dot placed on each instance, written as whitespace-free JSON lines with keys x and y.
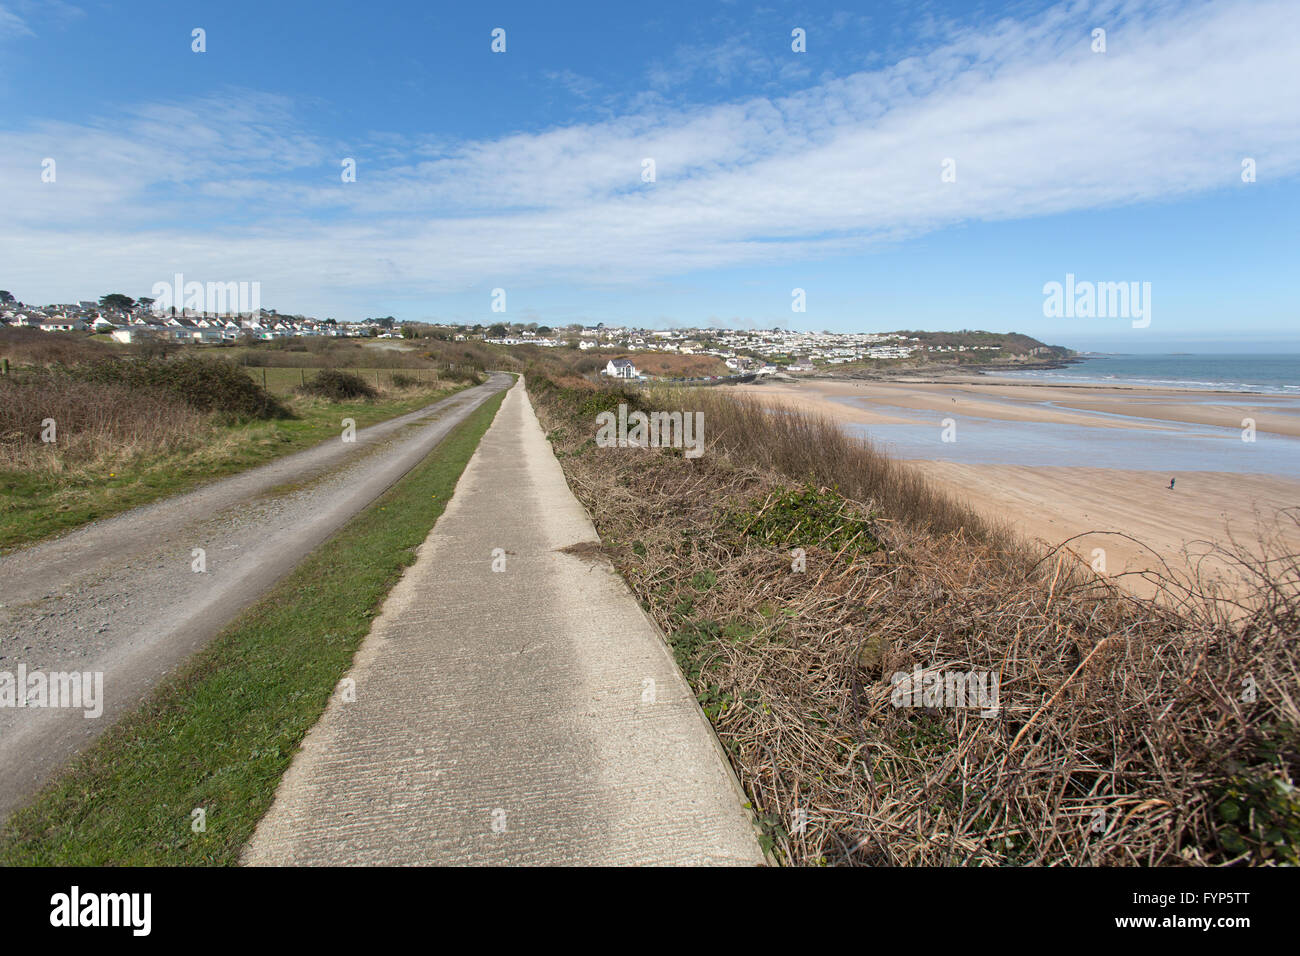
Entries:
{"x":12,"y":25}
{"x":583,"y":87}
{"x":234,"y":188}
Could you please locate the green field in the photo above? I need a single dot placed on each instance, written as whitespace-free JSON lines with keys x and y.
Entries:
{"x":220,"y":733}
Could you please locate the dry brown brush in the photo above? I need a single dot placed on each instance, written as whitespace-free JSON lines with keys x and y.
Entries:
{"x":1125,"y":731}
{"x":27,"y":346}
{"x":91,"y":421}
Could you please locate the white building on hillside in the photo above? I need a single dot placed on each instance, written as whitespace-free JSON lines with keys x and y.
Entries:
{"x":620,"y":368}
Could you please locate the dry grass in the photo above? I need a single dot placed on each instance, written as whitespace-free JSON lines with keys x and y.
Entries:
{"x":93,"y":422}
{"x":813,"y":448}
{"x":105,"y":422}
{"x":1127,"y":731}
{"x":25,"y":346}
{"x":119,"y":446}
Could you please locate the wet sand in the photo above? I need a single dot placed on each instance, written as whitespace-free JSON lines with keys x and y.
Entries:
{"x":1053,"y":504}
{"x":1074,"y":404}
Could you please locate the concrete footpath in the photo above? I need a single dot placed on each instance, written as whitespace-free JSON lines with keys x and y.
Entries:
{"x":531,"y":715}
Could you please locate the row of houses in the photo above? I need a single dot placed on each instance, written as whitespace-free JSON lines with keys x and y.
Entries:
{"x":214,"y":329}
{"x":543,"y":341}
{"x":141,"y":324}
{"x":743,"y":350}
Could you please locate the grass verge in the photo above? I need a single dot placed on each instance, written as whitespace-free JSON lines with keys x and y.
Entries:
{"x":35,"y":505}
{"x":221,"y":732}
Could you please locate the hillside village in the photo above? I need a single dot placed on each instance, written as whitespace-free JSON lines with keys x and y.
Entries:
{"x":767,"y":351}
{"x":138,"y":323}
{"x":742,"y":351}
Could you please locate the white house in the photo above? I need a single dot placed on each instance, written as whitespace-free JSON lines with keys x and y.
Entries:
{"x":63,"y":325}
{"x":138,"y":333}
{"x":620,"y":368}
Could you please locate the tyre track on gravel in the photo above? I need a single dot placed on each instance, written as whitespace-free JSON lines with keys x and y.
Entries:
{"x":119,"y":596}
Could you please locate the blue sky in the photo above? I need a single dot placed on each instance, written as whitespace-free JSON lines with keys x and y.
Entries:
{"x":774,"y":169}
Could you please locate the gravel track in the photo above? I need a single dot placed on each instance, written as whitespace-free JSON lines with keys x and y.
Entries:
{"x":120,"y":597}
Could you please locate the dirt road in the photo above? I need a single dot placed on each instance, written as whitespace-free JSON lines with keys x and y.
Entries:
{"x":121,"y":597}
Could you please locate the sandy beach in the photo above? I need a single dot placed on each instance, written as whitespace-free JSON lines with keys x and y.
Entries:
{"x":1036,"y":446}
{"x":1061,"y":404}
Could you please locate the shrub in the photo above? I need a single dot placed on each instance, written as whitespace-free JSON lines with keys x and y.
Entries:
{"x":338,"y":386}
{"x":404,"y":381}
{"x":792,"y":516}
{"x":155,"y":348}
{"x":93,"y":420}
{"x":460,"y":373}
{"x":206,"y":384}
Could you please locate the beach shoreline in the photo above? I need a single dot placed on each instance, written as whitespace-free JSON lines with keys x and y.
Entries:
{"x":1131,"y":515}
{"x":989,"y":397}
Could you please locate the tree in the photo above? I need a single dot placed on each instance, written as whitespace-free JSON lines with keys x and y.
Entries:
{"x":116,"y":300}
{"x":545,"y":330}
{"x":497,"y":331}
{"x":6,"y":298}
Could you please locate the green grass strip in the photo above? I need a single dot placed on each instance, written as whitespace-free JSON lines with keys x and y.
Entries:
{"x":222,"y":731}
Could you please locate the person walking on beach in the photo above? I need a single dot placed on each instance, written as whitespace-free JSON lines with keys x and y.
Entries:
{"x":1171,"y":483}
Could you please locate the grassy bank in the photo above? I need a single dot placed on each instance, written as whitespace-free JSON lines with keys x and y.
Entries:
{"x":797,"y":573}
{"x":52,"y":491}
{"x":221,"y":732}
